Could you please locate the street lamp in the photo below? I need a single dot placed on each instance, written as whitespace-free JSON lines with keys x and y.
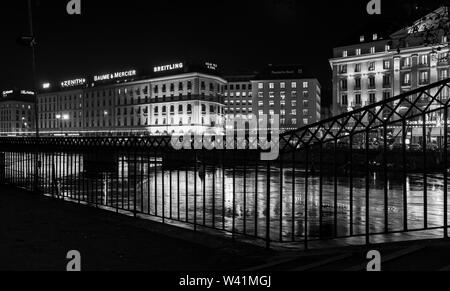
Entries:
{"x":31,"y":41}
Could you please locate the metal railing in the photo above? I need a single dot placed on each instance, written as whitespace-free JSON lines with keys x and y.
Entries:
{"x":378,"y":170}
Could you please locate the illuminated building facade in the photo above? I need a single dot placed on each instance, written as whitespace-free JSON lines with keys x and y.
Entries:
{"x":377,"y":68}
{"x":289,"y":93}
{"x":239,"y":95}
{"x":172,"y":99}
{"x":16,"y":112}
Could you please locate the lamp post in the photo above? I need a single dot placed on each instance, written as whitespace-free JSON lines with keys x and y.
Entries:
{"x":32,"y":44}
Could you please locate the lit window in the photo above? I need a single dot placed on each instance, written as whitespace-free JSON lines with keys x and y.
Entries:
{"x":358,"y":52}
{"x":305,"y":85}
{"x":345,"y":54}
{"x":424,"y":77}
{"x":260,"y":86}
{"x":372,"y":50}
{"x":407,"y":79}
{"x":424,"y":59}
{"x":407,"y":62}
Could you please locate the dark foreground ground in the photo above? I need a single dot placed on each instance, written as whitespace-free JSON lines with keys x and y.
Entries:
{"x":37,"y":232}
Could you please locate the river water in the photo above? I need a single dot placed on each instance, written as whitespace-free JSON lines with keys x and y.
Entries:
{"x":236,"y":199}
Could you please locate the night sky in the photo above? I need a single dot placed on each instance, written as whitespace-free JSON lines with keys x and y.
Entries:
{"x":240,"y":35}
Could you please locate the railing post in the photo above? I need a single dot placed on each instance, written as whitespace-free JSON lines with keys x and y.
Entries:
{"x":445,"y":172}
{"x":367,"y":151}
{"x":268,"y":208}
{"x":2,"y":168}
{"x":306,"y":195}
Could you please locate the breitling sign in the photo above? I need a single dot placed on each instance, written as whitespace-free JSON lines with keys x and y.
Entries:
{"x":166,"y":68}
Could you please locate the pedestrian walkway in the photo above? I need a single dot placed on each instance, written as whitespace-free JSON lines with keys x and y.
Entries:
{"x":37,"y":232}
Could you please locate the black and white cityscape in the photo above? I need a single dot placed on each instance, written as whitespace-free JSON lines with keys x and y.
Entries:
{"x":225,"y":136}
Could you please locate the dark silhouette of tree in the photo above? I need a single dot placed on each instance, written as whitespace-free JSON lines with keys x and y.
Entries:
{"x":432,"y":30}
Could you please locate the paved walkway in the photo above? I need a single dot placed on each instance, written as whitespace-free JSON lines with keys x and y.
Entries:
{"x":37,"y":232}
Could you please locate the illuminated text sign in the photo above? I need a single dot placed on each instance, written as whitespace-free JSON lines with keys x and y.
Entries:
{"x":6,"y":93}
{"x":23,"y":92}
{"x":211,"y":66}
{"x":165,"y":68}
{"x":113,"y":76}
{"x":73,"y":83}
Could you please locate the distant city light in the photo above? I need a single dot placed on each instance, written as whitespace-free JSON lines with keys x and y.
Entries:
{"x":58,"y":116}
{"x":24,"y":92}
{"x":6,"y":93}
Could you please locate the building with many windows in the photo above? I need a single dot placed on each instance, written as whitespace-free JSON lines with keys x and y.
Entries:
{"x":289,"y":93}
{"x":173,"y":99}
{"x":378,"y":68}
{"x":239,"y":95}
{"x":16,"y":112}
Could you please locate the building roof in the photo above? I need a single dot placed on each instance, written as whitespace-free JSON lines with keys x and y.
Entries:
{"x":392,"y":26}
{"x":283,"y":72}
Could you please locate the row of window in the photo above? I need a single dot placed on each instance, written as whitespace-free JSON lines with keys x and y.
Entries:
{"x":358,"y":101}
{"x":424,"y":78}
{"x":282,"y":85}
{"x":359,"y":51}
{"x":406,"y":62}
{"x":343,"y":69}
{"x":293,"y":95}
{"x":238,"y":87}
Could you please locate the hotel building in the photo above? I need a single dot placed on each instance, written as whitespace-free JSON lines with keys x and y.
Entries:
{"x":16,"y":112}
{"x":378,"y":68}
{"x":172,"y":99}
{"x":287,"y":92}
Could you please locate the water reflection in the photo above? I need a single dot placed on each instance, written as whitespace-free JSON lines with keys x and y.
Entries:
{"x":237,"y":199}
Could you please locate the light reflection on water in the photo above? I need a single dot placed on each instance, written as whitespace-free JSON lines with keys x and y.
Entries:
{"x":214,"y":200}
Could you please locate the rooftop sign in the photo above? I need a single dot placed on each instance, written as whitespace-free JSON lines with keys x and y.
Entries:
{"x":73,"y":83}
{"x":117,"y":75}
{"x":166,"y":68}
